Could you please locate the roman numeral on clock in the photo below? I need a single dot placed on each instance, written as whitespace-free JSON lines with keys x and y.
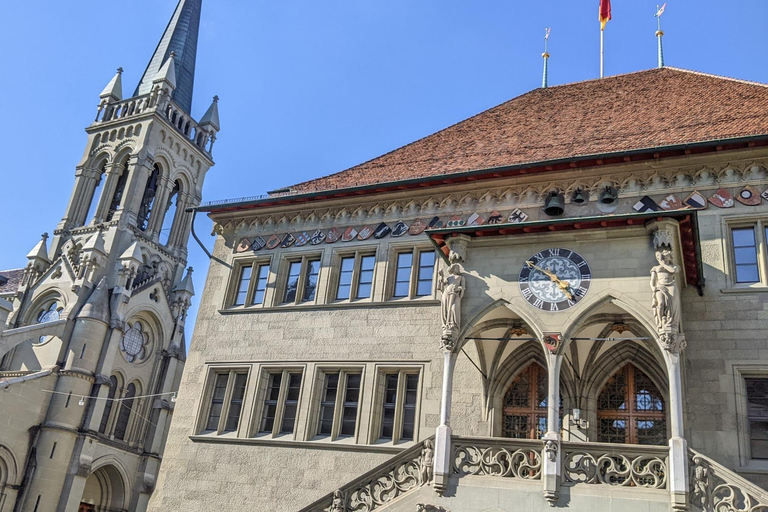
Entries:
{"x":539,"y":303}
{"x":527,"y":293}
{"x":554,"y":252}
{"x":553,"y":306}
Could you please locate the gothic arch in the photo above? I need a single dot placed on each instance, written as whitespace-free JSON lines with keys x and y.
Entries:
{"x":474,"y":321}
{"x":580,"y":318}
{"x":8,"y":468}
{"x":107,"y":487}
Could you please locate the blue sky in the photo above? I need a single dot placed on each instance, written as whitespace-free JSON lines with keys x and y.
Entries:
{"x":312,"y":87}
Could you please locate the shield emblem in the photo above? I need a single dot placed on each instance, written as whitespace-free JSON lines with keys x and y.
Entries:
{"x":696,"y":201}
{"x":243,"y":245}
{"x":365,"y":233}
{"x":381,"y":231}
{"x":258,"y":244}
{"x":495,"y":218}
{"x":349,"y":234}
{"x":435,"y":223}
{"x":517,"y":216}
{"x":646,"y":204}
{"x":475,"y":220}
{"x":288,"y":241}
{"x":400,"y":229}
{"x":333,"y":236}
{"x":417,"y":227}
{"x":722,"y":198}
{"x":317,"y":237}
{"x":455,"y":222}
{"x":302,"y":239}
{"x":670,"y":202}
{"x":749,"y":196}
{"x":273,"y":242}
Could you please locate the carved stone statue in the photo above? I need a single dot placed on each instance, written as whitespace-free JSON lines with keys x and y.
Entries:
{"x":338,"y":502}
{"x":666,"y":298}
{"x":427,"y":462}
{"x":452,"y":286}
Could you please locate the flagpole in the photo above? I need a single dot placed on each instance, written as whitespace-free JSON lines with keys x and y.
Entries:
{"x":602,"y":51}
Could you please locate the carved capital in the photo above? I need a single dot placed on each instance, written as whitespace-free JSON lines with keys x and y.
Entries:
{"x":458,"y":246}
{"x":674,"y":343}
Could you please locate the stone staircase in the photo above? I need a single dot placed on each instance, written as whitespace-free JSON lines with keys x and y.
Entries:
{"x":495,"y":475}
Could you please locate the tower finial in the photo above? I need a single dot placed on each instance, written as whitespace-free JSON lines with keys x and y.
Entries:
{"x":545,"y":55}
{"x":180,"y":37}
{"x":660,"y":33}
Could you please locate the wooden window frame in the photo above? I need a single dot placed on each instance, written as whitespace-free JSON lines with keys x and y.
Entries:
{"x":354,"y":290}
{"x":341,"y":394}
{"x":213,"y":375}
{"x":416,"y":252}
{"x":378,"y":422}
{"x":760,"y":225}
{"x":255,"y":265}
{"x":305,"y":260}
{"x":258,"y":415}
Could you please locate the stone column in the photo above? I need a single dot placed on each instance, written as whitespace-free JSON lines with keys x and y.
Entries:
{"x":112,"y":176}
{"x":159,"y":207}
{"x":139,"y":171}
{"x":551,"y":455}
{"x":443,"y":458}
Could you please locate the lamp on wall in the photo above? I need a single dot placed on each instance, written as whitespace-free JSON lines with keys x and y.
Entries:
{"x":578,"y":421}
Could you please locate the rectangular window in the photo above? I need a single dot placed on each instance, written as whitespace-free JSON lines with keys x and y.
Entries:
{"x":261,"y":285}
{"x":292,"y":285}
{"x":355,"y":277}
{"x":301,"y":282}
{"x":226,"y":401}
{"x":757,"y":415}
{"x":745,"y":255}
{"x":414,"y":274}
{"x":251,"y":285}
{"x":242,"y":287}
{"x":281,"y":402}
{"x":339,"y":404}
{"x":399,"y":402}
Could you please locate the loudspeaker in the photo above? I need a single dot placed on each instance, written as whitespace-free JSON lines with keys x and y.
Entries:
{"x":554,"y":205}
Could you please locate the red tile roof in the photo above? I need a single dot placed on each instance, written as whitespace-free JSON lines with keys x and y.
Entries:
{"x":636,"y":111}
{"x":13,"y":280}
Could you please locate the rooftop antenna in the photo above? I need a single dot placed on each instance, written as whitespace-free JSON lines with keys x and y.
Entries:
{"x":660,"y":33}
{"x":546,"y":57}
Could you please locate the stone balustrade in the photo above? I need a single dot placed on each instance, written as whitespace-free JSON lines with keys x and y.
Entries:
{"x":615,"y":464}
{"x":717,"y":489}
{"x":512,"y":458}
{"x":154,"y":101}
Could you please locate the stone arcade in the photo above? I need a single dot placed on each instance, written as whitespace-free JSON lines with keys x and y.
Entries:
{"x":536,"y":307}
{"x":92,"y":334}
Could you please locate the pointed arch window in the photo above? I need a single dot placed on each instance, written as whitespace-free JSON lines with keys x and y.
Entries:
{"x":631,"y":409}
{"x":170,"y":214}
{"x":525,"y":405}
{"x":126,"y":406}
{"x":117,"y":196}
{"x":50,"y":312}
{"x":108,"y":406}
{"x":96,"y":194}
{"x":148,"y":199}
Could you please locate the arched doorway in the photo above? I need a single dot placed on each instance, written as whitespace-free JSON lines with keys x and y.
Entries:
{"x":631,"y":409}
{"x":525,"y":404}
{"x":104,"y":491}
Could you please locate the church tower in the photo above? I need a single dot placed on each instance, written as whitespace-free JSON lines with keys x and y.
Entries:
{"x":93,"y":345}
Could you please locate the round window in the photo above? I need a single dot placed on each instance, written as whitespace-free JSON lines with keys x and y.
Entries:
{"x":50,"y":313}
{"x":134,"y":343}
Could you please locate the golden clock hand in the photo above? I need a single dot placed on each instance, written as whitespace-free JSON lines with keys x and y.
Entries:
{"x":563,"y":285}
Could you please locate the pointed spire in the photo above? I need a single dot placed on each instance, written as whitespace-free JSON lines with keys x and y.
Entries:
{"x":114,"y":89}
{"x":167,"y":73}
{"x":545,"y":55}
{"x":97,"y":306}
{"x":132,"y":255}
{"x":96,"y":242}
{"x":211,"y":116}
{"x":186,"y":284}
{"x":660,"y":33}
{"x":40,"y":251}
{"x":180,"y":36}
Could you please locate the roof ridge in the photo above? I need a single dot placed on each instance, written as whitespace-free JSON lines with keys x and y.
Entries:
{"x":11,"y":269}
{"x":721,"y":77}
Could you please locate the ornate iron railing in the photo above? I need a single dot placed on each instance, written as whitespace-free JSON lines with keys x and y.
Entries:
{"x":409,"y":470}
{"x":717,"y":489}
{"x":615,"y":464}
{"x":513,"y":458}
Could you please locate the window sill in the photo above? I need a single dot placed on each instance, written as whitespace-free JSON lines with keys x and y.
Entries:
{"x":757,"y":467}
{"x":760,"y":288}
{"x":315,"y":445}
{"x":400,"y":303}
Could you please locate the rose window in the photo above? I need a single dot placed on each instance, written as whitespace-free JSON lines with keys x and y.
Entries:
{"x":134,"y":343}
{"x":49,"y":314}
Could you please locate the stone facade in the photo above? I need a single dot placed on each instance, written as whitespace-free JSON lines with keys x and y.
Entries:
{"x":92,"y":340}
{"x":227,"y":445}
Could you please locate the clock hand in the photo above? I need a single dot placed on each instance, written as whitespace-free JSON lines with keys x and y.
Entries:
{"x":563,"y":285}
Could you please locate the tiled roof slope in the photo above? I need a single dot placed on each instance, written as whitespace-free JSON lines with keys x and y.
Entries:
{"x":646,"y":109}
{"x":13,"y":280}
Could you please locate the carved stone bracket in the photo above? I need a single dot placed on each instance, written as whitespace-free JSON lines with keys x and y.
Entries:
{"x":550,"y":448}
{"x":458,"y":247}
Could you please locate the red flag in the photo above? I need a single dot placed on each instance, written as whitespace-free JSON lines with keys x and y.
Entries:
{"x":605,"y":13}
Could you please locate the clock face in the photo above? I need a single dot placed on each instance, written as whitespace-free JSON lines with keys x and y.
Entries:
{"x":555,"y":279}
